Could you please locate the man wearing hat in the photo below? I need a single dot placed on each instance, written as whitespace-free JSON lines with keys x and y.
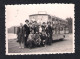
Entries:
{"x":27,"y":31}
{"x":49,"y":33}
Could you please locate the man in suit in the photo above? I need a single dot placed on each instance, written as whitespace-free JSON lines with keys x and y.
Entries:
{"x":27,"y":31}
{"x":36,"y":27}
{"x":49,"y":33}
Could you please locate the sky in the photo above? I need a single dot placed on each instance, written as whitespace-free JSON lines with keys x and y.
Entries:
{"x":16,"y":14}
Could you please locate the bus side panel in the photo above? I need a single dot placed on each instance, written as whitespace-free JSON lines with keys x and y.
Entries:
{"x":57,"y":36}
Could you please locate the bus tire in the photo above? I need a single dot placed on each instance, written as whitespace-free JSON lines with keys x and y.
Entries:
{"x":61,"y":39}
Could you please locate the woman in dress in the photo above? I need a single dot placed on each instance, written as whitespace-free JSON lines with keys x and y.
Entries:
{"x":21,"y":36}
{"x":30,"y":40}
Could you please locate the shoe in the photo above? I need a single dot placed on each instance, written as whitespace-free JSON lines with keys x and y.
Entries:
{"x":19,"y":47}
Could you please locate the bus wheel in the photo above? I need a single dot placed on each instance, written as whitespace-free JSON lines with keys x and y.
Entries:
{"x":61,"y":39}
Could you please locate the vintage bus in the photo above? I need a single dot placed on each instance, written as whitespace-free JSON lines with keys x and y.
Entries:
{"x":60,"y":28}
{"x":59,"y":25}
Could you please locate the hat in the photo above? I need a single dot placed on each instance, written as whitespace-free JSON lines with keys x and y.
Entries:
{"x":26,"y":20}
{"x":48,"y":22}
{"x":35,"y":21}
{"x":43,"y":22}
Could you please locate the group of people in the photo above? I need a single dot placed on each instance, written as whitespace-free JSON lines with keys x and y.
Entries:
{"x":33,"y":34}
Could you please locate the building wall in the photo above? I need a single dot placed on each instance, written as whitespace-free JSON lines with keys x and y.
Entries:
{"x":13,"y":30}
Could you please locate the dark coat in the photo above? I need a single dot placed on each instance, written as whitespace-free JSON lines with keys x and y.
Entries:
{"x":20,"y":33}
{"x":43,"y":28}
{"x":36,"y":28}
{"x":43,"y":36}
{"x":27,"y":32}
{"x":26,"y":29}
{"x":49,"y":30}
{"x":49,"y":34}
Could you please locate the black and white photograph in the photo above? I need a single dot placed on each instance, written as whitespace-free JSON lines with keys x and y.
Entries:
{"x":39,"y":29}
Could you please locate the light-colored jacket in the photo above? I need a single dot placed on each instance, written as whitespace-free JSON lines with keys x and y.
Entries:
{"x":31,"y":37}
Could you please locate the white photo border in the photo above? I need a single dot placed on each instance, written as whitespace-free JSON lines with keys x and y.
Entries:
{"x":39,"y":53}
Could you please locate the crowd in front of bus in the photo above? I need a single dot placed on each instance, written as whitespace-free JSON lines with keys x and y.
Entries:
{"x":33,"y":34}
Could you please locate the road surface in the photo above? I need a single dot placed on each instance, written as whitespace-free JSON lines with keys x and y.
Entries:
{"x":66,"y":45}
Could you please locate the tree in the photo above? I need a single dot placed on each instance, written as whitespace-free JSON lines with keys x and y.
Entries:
{"x":69,"y":24}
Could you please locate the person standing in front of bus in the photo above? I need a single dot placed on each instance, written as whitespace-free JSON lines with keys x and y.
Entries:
{"x":27,"y":31}
{"x":43,"y":34}
{"x":36,"y":27}
{"x":49,"y":33}
{"x":21,"y":36}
